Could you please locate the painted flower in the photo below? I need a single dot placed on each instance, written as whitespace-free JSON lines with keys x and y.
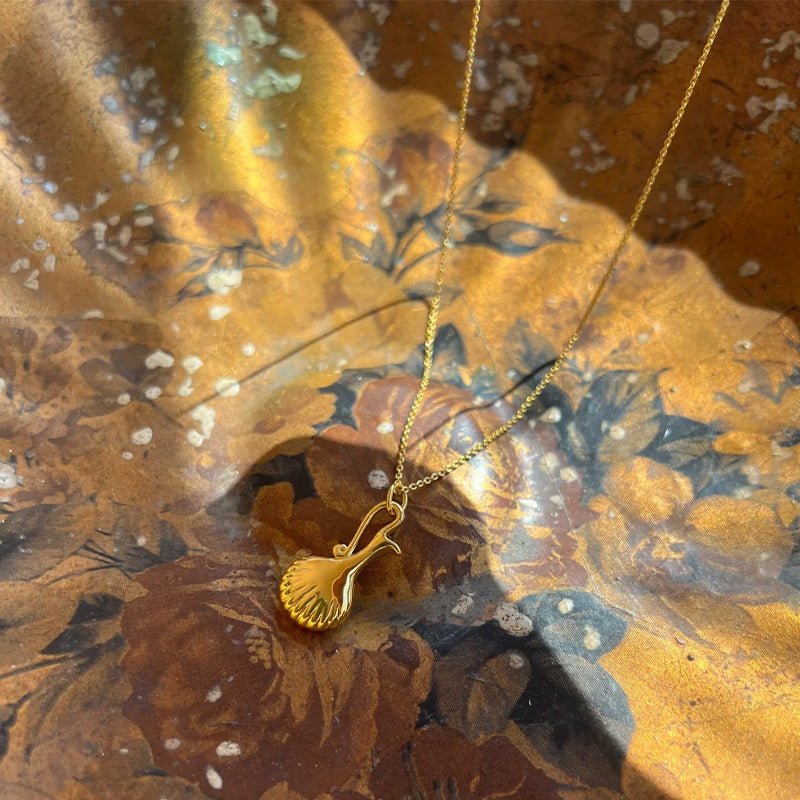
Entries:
{"x":255,"y":706}
{"x":254,"y":703}
{"x":654,"y":539}
{"x":132,"y":373}
{"x":213,"y":238}
{"x":408,"y":172}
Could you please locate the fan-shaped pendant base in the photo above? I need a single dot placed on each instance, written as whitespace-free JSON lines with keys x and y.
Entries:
{"x":318,"y":592}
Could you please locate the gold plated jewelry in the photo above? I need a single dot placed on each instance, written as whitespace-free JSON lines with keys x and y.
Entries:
{"x":318,"y":592}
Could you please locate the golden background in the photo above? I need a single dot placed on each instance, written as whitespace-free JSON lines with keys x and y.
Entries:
{"x":216,"y":234}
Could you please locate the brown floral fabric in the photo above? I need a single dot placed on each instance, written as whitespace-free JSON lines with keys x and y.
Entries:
{"x":219,"y":230}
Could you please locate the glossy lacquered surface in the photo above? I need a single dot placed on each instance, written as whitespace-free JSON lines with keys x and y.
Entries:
{"x":217,"y":233}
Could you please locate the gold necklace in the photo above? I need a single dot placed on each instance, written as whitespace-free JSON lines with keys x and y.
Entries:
{"x":318,"y":592}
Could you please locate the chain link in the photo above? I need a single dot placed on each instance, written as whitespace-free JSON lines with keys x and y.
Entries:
{"x":449,"y":213}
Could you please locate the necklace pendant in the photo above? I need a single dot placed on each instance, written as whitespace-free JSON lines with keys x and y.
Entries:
{"x":318,"y":592}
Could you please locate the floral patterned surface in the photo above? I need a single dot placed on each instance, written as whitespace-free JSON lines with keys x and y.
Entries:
{"x":217,"y":237}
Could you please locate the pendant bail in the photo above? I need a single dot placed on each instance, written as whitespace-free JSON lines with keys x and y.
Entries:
{"x":391,"y":502}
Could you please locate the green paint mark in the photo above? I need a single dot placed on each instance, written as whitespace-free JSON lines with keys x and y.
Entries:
{"x":254,"y":33}
{"x":271,"y":82}
{"x":290,"y":52}
{"x":223,"y":56}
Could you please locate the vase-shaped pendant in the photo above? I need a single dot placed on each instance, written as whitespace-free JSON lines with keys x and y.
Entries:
{"x":318,"y":592}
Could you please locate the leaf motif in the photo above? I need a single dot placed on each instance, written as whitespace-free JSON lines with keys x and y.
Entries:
{"x":791,"y":381}
{"x":70,"y":640}
{"x":34,"y":540}
{"x":477,"y":686}
{"x":789,"y":437}
{"x":379,"y":254}
{"x":717,"y":473}
{"x":284,"y":255}
{"x":498,"y":205}
{"x":226,"y":221}
{"x":98,"y":373}
{"x":193,"y":288}
{"x":477,"y":190}
{"x":619,"y":416}
{"x":191,"y":236}
{"x":130,"y":362}
{"x":141,"y":279}
{"x":567,"y":695}
{"x":125,"y":372}
{"x":65,"y":691}
{"x":96,"y":608}
{"x":58,"y":340}
{"x":194,"y":264}
{"x":171,"y":546}
{"x":448,"y":356}
{"x":681,"y":441}
{"x":573,"y":621}
{"x":21,"y":340}
{"x":375,"y":253}
{"x":512,"y":237}
{"x":687,"y":446}
{"x":8,"y":718}
{"x":130,"y":553}
{"x":345,"y":391}
{"x":353,"y":249}
{"x":67,"y":685}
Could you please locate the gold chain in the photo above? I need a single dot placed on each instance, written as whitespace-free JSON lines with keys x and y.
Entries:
{"x":433,"y":313}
